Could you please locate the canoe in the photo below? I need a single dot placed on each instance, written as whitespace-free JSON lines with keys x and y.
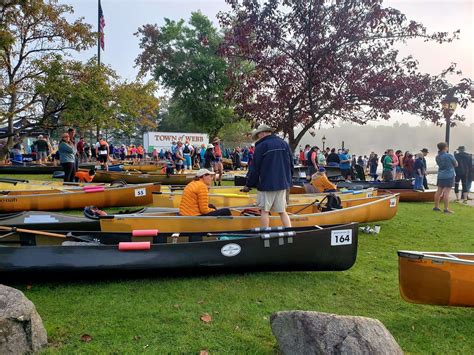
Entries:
{"x":410,"y":195}
{"x":138,"y":178}
{"x":312,"y":249}
{"x":445,"y":279}
{"x":35,"y":168}
{"x":387,"y":185}
{"x":136,"y":195}
{"x":361,"y":210}
{"x":144,"y":167}
{"x":173,"y":199}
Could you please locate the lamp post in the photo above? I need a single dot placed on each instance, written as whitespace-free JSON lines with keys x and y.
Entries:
{"x":448,"y":105}
{"x":324,"y":142}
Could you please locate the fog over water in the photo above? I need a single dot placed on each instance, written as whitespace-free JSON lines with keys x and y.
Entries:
{"x":361,"y":140}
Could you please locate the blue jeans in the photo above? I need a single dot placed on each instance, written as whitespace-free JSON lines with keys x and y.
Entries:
{"x":418,"y":182}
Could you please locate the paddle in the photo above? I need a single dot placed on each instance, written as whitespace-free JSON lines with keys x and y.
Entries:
{"x":310,"y":204}
{"x":31,"y":231}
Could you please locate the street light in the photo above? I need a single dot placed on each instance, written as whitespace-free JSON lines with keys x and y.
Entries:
{"x":324,"y":141}
{"x":448,"y":106}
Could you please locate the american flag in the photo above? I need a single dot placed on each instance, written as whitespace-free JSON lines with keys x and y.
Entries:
{"x":101,"y":27}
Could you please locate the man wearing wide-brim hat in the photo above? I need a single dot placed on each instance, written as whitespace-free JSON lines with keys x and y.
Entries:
{"x":463,"y":173}
{"x":271,"y":173}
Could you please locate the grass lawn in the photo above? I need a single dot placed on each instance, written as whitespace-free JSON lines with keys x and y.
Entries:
{"x":161,"y":314}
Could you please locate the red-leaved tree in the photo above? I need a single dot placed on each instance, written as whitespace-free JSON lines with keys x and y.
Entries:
{"x":297,"y":63}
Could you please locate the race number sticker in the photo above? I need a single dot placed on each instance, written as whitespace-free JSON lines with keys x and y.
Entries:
{"x":140,"y":192}
{"x":231,"y":249}
{"x":341,"y":237}
{"x":393,"y":202}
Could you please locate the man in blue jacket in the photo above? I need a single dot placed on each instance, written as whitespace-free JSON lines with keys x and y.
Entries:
{"x":271,"y":173}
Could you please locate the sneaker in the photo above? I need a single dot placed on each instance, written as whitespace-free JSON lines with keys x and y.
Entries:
{"x":436,"y":209}
{"x":448,"y":211}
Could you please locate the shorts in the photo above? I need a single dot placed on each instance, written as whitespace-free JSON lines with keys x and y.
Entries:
{"x":102,"y":158}
{"x":42,"y":155}
{"x":274,"y":201}
{"x":445,"y":182}
{"x":346,"y":173}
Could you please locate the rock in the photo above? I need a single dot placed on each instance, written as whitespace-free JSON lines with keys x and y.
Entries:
{"x":300,"y":332}
{"x":21,"y":327}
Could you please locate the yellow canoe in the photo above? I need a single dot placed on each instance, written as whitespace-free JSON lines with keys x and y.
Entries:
{"x":144,"y":167}
{"x":358,"y":210}
{"x":173,"y":199}
{"x":445,"y":279}
{"x":38,"y":185}
{"x":100,"y":196}
{"x":139,"y":178}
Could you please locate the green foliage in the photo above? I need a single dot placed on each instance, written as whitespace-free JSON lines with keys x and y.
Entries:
{"x":184,"y":59}
{"x":161,"y":314}
{"x":32,"y":33}
{"x":236,"y":133}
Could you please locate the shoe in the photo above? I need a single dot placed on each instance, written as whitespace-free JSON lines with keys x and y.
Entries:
{"x":219,"y":184}
{"x":436,"y":209}
{"x":465,"y":201}
{"x":448,"y":211}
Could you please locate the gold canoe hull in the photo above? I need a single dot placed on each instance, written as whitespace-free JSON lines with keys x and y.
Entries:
{"x":358,"y":210}
{"x":445,"y":279}
{"x":173,"y":199}
{"x":137,"y":195}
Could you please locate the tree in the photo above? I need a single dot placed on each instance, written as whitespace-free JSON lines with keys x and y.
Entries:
{"x":298,"y":63}
{"x":184,"y":59}
{"x":33,"y":32}
{"x":136,"y":108}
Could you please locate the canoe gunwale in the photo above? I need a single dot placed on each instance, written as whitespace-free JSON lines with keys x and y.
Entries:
{"x":436,"y":256}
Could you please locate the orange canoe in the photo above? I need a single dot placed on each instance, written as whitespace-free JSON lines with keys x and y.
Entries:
{"x":445,"y":279}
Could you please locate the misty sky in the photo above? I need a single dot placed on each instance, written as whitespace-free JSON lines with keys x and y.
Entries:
{"x":124,"y":17}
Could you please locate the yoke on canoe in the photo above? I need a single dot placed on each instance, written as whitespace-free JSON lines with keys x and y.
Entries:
{"x":445,"y":279}
{"x":358,"y":210}
{"x":311,"y":249}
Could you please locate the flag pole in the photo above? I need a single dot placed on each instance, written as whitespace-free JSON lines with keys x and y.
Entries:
{"x":100,"y":33}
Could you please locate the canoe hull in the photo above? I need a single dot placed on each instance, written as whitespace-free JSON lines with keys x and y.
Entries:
{"x":138,"y":195}
{"x":314,"y":250}
{"x":133,"y":178}
{"x":173,"y":200}
{"x":362,"y":211}
{"x":437,"y":281}
{"x":409,"y":195}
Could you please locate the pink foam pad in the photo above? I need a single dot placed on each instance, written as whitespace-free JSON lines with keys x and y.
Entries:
{"x":145,"y":233}
{"x":97,"y":189}
{"x":125,"y":246}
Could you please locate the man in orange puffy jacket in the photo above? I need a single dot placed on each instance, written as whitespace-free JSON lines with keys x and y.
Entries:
{"x":195,"y":199}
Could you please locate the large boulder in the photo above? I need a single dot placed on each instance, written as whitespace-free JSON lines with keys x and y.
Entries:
{"x":21,"y":328}
{"x":300,"y":332}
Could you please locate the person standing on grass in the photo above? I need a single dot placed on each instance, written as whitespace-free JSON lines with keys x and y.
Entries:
{"x":271,"y":173}
{"x":446,"y":164}
{"x":463,"y":173}
{"x":67,"y":157}
{"x":419,"y":172}
{"x":218,"y":166}
{"x":387,"y":165}
{"x":425,"y":152}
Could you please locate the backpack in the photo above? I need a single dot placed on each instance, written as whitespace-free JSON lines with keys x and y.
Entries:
{"x":186,"y":149}
{"x":333,"y":202}
{"x":308,"y":156}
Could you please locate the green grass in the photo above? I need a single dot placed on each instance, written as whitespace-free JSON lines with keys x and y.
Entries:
{"x":161,"y":314}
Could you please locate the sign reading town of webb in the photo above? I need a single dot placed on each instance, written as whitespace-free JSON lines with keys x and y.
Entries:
{"x":163,"y":140}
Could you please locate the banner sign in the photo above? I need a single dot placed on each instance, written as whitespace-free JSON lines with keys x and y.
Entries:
{"x":163,"y":140}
